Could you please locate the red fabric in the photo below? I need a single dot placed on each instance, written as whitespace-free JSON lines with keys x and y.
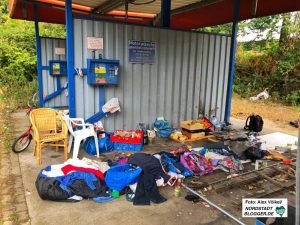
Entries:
{"x":68,"y":168}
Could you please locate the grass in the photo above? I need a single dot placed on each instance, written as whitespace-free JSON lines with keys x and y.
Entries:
{"x":241,"y":108}
{"x":14,"y":217}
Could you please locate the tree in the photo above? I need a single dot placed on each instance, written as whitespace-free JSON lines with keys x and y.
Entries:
{"x":18,"y":57}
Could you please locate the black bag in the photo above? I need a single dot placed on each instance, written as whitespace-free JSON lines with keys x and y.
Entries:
{"x":254,"y":123}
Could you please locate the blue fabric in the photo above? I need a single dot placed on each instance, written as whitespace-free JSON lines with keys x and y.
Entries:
{"x":120,"y":176}
{"x":173,"y":167}
{"x":105,"y":145}
{"x":163,"y":128}
{"x":101,"y":199}
{"x":68,"y":179}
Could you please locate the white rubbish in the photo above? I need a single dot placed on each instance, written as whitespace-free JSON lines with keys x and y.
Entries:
{"x":76,"y":198}
{"x":264,"y":94}
{"x":277,"y":139}
{"x":133,"y":187}
{"x":112,"y":106}
{"x":160,"y":182}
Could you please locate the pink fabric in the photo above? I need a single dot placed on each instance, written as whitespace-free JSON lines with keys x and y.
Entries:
{"x":123,"y":161}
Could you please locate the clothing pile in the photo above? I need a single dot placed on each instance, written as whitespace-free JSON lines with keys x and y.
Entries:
{"x":137,"y":175}
{"x":72,"y":181}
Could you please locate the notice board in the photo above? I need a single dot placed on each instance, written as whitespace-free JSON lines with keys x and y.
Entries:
{"x":141,"y":51}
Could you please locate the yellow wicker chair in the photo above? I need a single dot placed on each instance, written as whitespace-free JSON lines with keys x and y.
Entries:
{"x":45,"y":124}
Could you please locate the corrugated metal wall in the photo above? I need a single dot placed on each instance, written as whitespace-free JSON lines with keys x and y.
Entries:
{"x":49,"y":82}
{"x":189,"y":76}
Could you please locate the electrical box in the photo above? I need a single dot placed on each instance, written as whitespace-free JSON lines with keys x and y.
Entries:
{"x":103,"y":71}
{"x":58,"y":67}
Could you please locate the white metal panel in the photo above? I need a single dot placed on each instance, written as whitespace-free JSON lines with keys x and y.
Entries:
{"x":189,"y":75}
{"x":48,"y":46}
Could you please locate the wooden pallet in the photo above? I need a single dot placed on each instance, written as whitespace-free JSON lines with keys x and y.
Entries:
{"x":194,"y":139}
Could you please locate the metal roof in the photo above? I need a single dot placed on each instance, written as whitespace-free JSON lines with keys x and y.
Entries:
{"x":185,"y":14}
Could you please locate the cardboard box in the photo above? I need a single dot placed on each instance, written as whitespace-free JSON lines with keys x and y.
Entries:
{"x":193,"y":135}
{"x":192,"y":125}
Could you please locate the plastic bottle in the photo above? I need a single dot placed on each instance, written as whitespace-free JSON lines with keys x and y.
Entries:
{"x":145,"y":138}
{"x":177,"y":190}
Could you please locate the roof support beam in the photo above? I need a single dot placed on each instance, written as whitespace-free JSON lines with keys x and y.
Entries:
{"x":232,"y":58}
{"x":38,"y":55}
{"x":108,"y":6}
{"x":165,"y":17}
{"x":70,"y":58}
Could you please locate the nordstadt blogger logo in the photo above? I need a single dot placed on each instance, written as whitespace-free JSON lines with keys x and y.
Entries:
{"x":265,"y":207}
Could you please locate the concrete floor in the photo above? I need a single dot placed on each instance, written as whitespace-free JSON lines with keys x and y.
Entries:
{"x":176,"y":210}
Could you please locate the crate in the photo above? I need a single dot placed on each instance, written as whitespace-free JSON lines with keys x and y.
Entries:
{"x":127,"y":147}
{"x":193,"y":135}
{"x":128,"y":140}
{"x":188,"y":125}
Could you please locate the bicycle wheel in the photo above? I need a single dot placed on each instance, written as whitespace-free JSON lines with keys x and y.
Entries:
{"x":21,"y":143}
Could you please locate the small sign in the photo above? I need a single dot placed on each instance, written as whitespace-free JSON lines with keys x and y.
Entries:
{"x":141,"y":51}
{"x":94,"y":43}
{"x":265,"y":207}
{"x":56,"y":69}
{"x":60,"y":51}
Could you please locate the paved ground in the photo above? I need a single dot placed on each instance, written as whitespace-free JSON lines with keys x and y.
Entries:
{"x":175,"y":211}
{"x":269,"y":127}
{"x":13,"y":207}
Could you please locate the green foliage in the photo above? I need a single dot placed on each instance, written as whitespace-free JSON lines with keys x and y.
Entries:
{"x":18,"y":73}
{"x":277,"y":68}
{"x":221,"y":29}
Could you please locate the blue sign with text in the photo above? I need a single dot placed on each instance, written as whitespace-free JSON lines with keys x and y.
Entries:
{"x":141,"y":51}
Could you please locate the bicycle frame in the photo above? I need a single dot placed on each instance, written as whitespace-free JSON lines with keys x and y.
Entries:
{"x":26,"y":133}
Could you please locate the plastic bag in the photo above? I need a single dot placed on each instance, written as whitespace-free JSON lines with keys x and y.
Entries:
{"x":163,"y":128}
{"x":105,"y":145}
{"x":111,"y":106}
{"x":120,"y":176}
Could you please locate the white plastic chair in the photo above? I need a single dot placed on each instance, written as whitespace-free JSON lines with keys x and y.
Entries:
{"x":79,"y":135}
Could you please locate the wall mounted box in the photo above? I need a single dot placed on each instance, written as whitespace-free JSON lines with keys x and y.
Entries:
{"x":103,"y":71}
{"x":57,"y":67}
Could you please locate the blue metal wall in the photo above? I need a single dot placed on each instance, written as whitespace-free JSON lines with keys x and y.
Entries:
{"x":48,"y":46}
{"x":189,"y":76}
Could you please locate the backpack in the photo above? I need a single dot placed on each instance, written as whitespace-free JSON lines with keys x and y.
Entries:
{"x":199,"y":165}
{"x":255,"y":124}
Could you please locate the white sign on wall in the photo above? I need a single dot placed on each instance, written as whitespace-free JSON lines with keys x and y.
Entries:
{"x":94,"y":43}
{"x":60,"y":51}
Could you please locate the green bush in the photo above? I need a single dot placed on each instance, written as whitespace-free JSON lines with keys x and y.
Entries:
{"x":18,"y":74}
{"x":276,"y":68}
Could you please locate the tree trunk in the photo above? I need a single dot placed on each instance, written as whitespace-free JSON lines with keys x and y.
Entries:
{"x":285,"y":28}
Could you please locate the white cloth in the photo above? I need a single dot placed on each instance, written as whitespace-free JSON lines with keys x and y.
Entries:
{"x":56,"y":169}
{"x":102,"y":166}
